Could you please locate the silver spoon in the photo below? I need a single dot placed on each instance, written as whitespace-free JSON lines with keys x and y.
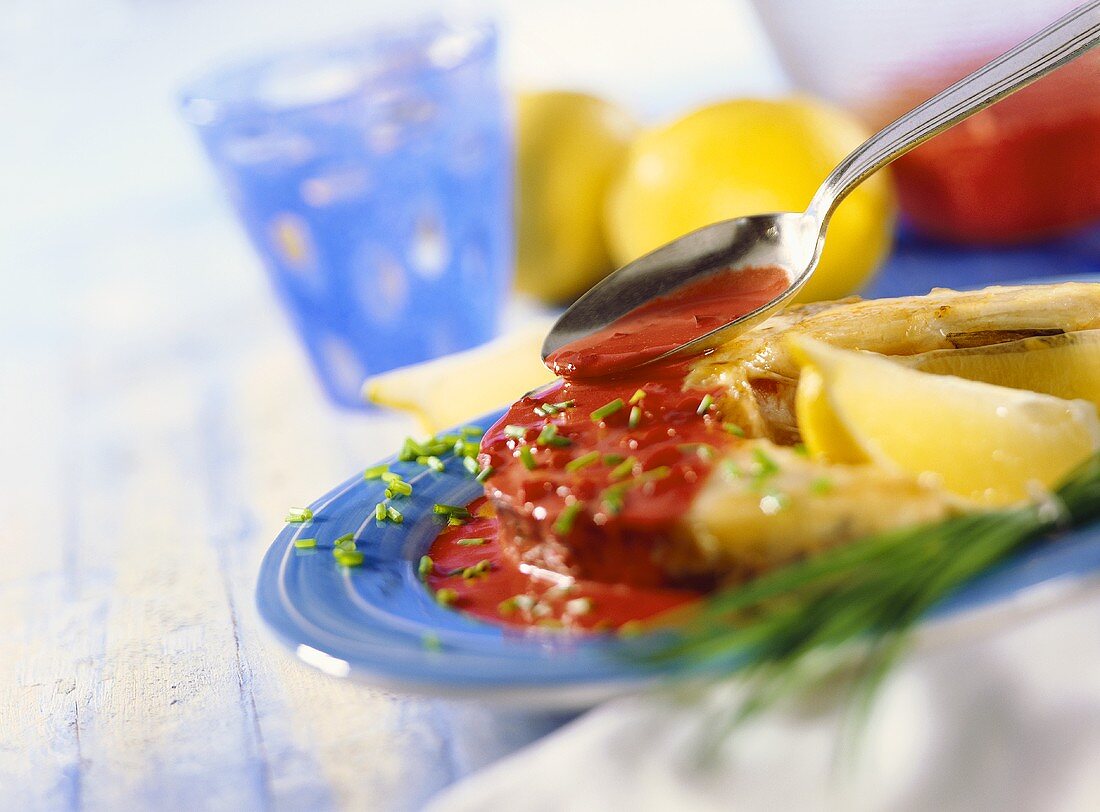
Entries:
{"x":793,"y":241}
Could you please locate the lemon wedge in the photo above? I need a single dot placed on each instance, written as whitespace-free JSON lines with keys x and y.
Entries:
{"x":1066,"y":366}
{"x":456,"y":388}
{"x":989,"y":444}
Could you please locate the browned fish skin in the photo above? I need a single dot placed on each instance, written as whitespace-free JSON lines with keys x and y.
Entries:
{"x":761,"y":376}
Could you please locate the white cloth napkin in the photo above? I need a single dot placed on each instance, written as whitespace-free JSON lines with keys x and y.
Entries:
{"x":1001,"y":715}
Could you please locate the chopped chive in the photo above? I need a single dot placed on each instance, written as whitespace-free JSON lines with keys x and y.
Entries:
{"x":612,"y":498}
{"x":410,"y":450}
{"x":481,"y":567}
{"x":564,"y":404}
{"x":390,"y":476}
{"x":445,"y":597}
{"x":380,"y":511}
{"x":298,"y":515}
{"x":425,"y":567}
{"x":347,"y":558}
{"x":399,"y":487}
{"x":472,"y":431}
{"x":455,"y":521}
{"x":635,"y":417}
{"x":765,"y":465}
{"x":733,"y":429}
{"x":567,"y":518}
{"x":394,"y":515}
{"x":515,"y":432}
{"x":660,"y":472}
{"x":705,"y":404}
{"x":801,"y":450}
{"x":305,"y":544}
{"x":613,"y":459}
{"x":733,"y":469}
{"x":541,"y":411}
{"x":821,"y":486}
{"x":431,"y":461}
{"x":607,"y":410}
{"x":581,"y":461}
{"x":471,"y":466}
{"x":484,"y":473}
{"x":637,"y":396}
{"x":527,"y":458}
{"x":549,"y":436}
{"x":375,"y":472}
{"x":624,"y":468}
{"x":443,"y":509}
{"x":464,"y":448}
{"x":345,"y":542}
{"x":507,"y":606}
{"x":472,"y":542}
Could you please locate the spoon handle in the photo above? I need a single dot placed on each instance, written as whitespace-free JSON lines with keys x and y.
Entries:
{"x":1057,"y":44}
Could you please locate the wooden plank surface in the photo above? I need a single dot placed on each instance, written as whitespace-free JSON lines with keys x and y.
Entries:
{"x":145,"y":479}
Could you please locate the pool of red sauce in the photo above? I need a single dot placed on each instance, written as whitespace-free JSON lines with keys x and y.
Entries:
{"x":604,"y":570}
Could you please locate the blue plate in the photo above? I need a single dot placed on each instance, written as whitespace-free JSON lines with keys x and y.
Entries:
{"x":377,"y":622}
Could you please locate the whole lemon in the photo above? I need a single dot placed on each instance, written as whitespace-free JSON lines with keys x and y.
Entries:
{"x":568,"y":148}
{"x":751,"y":156}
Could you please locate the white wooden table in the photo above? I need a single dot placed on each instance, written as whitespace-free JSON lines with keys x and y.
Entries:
{"x":150,"y":454}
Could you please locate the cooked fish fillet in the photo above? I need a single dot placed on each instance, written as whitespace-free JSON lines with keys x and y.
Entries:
{"x":760,"y":375}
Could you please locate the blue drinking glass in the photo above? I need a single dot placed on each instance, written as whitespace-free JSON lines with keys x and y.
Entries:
{"x":374,"y":177}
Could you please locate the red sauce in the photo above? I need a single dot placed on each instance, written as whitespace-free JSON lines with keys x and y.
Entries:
{"x":1027,"y":167}
{"x":586,"y":507}
{"x":505,"y":593}
{"x":667,"y":322}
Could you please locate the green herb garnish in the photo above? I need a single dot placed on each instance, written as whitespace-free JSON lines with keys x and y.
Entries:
{"x":443,"y":509}
{"x":567,"y":518}
{"x":375,"y":472}
{"x":734,"y":429}
{"x":515,"y":432}
{"x":305,"y":544}
{"x":472,"y":542}
{"x":607,"y":410}
{"x":549,"y":436}
{"x":582,"y":461}
{"x":347,"y":558}
{"x":485,"y":473}
{"x":624,"y":468}
{"x":399,"y":487}
{"x":637,"y":396}
{"x":425,"y":567}
{"x":394,"y":515}
{"x":635,"y":417}
{"x":704,"y":404}
{"x":527,"y":458}
{"x":446,"y":597}
{"x":298,"y":515}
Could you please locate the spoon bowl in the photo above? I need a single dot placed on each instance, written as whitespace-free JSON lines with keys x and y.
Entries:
{"x":792,"y":242}
{"x":787,"y":240}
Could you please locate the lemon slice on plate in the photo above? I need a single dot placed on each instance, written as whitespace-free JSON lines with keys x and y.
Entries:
{"x":456,"y":388}
{"x":1066,"y":366}
{"x":990,"y":444}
